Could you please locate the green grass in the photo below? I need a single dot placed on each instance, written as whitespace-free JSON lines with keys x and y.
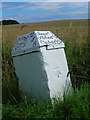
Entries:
{"x":75,"y":104}
{"x":27,"y":110}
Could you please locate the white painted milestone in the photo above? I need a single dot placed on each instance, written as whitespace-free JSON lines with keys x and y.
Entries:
{"x":41,"y":65}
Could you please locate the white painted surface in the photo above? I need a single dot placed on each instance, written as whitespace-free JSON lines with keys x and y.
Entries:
{"x":34,"y":40}
{"x":55,"y":64}
{"x":32,"y":75}
{"x":42,"y":67}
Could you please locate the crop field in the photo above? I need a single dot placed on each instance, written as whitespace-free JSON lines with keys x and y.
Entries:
{"x":63,"y":29}
{"x":75,"y":35}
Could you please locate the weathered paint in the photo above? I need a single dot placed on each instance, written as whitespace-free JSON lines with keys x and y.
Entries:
{"x":41,"y":65}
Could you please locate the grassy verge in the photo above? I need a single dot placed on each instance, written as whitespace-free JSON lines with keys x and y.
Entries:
{"x":74,"y":105}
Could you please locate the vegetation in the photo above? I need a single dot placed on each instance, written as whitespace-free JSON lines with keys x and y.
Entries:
{"x":75,"y":104}
{"x":0,"y":22}
{"x":9,"y":22}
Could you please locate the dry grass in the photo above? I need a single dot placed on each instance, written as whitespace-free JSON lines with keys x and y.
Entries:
{"x":65,"y":30}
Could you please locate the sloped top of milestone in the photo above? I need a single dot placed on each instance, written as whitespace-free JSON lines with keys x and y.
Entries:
{"x":34,"y":40}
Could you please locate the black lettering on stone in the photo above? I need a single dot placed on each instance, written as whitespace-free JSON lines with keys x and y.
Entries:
{"x":31,"y":35}
{"x":42,"y":41}
{"x":34,"y":43}
{"x":33,"y":39}
{"x":47,"y":33}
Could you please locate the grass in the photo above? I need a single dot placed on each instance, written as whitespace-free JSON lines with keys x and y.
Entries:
{"x":28,"y":110}
{"x":74,"y":105}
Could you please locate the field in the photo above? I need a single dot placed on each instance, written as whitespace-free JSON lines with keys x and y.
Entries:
{"x":75,"y":35}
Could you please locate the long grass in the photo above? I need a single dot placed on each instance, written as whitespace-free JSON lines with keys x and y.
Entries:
{"x":76,"y":104}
